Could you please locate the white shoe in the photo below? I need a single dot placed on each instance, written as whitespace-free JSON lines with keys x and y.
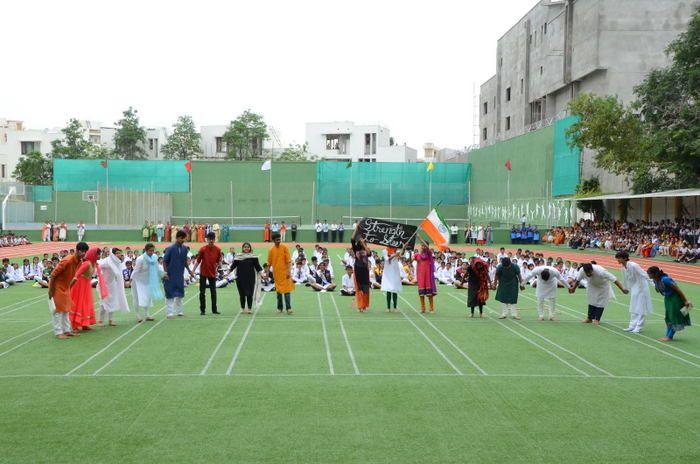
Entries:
{"x":636,"y":331}
{"x":628,"y":329}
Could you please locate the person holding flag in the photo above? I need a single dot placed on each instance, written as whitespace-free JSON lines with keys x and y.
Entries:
{"x":439,"y":233}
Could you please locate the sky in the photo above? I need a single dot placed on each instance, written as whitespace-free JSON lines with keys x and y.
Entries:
{"x":408,"y":65}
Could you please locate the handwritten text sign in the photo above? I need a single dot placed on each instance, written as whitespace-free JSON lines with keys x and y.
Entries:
{"x":387,"y":233}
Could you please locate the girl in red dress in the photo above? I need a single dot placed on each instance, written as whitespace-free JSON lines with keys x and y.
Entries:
{"x":83,"y":313}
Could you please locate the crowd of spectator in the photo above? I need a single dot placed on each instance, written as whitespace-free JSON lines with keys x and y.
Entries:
{"x":678,"y":239}
{"x":12,"y":240}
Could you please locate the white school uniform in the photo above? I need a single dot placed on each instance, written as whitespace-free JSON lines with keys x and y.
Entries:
{"x":547,"y":289}
{"x":114,"y":280}
{"x":391,"y":278}
{"x":637,"y":282}
{"x":140,"y":288}
{"x":598,"y":289}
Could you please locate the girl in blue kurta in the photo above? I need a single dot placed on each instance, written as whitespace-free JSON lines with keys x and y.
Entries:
{"x":675,"y":303}
{"x":174,"y":265}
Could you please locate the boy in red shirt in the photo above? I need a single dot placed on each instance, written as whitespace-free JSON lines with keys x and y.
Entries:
{"x":208,"y":260}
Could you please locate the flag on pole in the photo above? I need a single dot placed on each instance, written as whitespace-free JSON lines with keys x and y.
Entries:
{"x":267,"y":165}
{"x":349,"y":165}
{"x":188,"y":166}
{"x":508,"y":166}
{"x":437,"y":230}
{"x":431,"y":166}
{"x":103,"y":163}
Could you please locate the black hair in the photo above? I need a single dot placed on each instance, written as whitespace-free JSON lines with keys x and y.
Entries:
{"x":622,"y":254}
{"x":211,"y":236}
{"x":348,"y":267}
{"x":587,"y":267}
{"x":655,"y":271}
{"x":505,"y":262}
{"x":181,"y":234}
{"x":82,"y":246}
{"x":275,"y":236}
{"x":148,"y":247}
{"x":545,"y":274}
{"x":115,"y":250}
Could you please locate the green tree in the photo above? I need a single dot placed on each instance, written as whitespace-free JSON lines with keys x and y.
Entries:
{"x":73,"y":144}
{"x":245,"y":135}
{"x":654,"y":141}
{"x":589,"y":188}
{"x":295,"y":153}
{"x":130,"y":136}
{"x":668,"y":101}
{"x":184,"y":141}
{"x":34,"y":169}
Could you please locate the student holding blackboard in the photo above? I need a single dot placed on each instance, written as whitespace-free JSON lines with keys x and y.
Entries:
{"x":361,"y":270}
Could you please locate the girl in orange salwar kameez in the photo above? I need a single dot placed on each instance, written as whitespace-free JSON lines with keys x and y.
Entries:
{"x":83,"y":311}
{"x":266,"y":232}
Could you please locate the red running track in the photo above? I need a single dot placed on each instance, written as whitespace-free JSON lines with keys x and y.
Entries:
{"x":682,"y":272}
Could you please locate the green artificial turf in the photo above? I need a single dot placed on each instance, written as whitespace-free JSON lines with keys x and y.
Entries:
{"x":328,"y":384}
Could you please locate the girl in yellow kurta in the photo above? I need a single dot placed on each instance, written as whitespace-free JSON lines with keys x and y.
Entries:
{"x":281,"y":262}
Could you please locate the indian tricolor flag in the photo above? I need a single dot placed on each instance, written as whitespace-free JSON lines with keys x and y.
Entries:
{"x":436,"y":229}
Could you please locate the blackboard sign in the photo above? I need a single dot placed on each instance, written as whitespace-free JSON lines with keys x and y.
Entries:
{"x":387,"y":233}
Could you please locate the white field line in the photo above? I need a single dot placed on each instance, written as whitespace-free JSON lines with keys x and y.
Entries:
{"x":532,"y":342}
{"x":25,"y":342}
{"x":454,"y":345}
{"x":113,"y":342}
{"x":243,"y":339}
{"x":634,"y":339}
{"x":439,"y":351}
{"x":24,"y":333}
{"x":20,"y":307}
{"x":22,"y":302}
{"x":325,"y":336}
{"x":345,"y":336}
{"x":218,"y":346}
{"x":374,"y":374}
{"x":566,"y":350}
{"x":119,"y":355}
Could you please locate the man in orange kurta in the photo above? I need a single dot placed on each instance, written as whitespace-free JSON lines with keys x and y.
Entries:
{"x":281,"y":262}
{"x":59,"y":291}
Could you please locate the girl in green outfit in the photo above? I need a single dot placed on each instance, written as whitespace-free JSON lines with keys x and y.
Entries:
{"x":677,"y":305}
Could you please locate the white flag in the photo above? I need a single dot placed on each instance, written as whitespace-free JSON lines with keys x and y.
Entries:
{"x":267,"y":165}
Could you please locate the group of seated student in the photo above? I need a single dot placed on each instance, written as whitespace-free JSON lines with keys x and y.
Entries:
{"x":12,"y":240}
{"x":524,"y":234}
{"x":678,"y":239}
{"x":37,"y":270}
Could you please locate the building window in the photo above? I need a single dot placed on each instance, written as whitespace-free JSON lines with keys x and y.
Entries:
{"x":332,"y":142}
{"x":507,"y":122}
{"x":541,"y":70}
{"x":484,"y":134}
{"x":486,"y":107}
{"x":522,"y":85}
{"x":150,"y":144}
{"x":28,"y":147}
{"x":3,"y":171}
{"x":545,"y":28}
{"x":508,"y":94}
{"x":220,"y":145}
{"x":371,"y":143}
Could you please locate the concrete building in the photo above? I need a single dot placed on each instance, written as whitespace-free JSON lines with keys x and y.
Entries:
{"x":213,"y":145}
{"x":561,"y":48}
{"x":16,"y":141}
{"x":345,"y":141}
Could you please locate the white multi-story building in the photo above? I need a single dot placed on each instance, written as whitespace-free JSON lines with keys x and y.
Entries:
{"x":345,"y":141}
{"x":16,"y":141}
{"x":213,"y":145}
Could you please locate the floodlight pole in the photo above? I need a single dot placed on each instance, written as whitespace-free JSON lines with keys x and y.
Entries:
{"x":10,"y":192}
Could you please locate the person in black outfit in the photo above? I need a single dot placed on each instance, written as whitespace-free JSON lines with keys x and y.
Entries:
{"x":247,"y":268}
{"x":294,"y":231}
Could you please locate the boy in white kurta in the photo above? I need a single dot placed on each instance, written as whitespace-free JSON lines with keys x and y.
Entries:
{"x":548,"y":278}
{"x":142,"y":287}
{"x":114,"y":280}
{"x":598,"y":290}
{"x":391,"y":278}
{"x":637,"y":282}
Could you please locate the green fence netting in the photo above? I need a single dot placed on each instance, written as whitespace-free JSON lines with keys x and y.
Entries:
{"x":565,"y":163}
{"x":152,"y":176}
{"x":391,"y":183}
